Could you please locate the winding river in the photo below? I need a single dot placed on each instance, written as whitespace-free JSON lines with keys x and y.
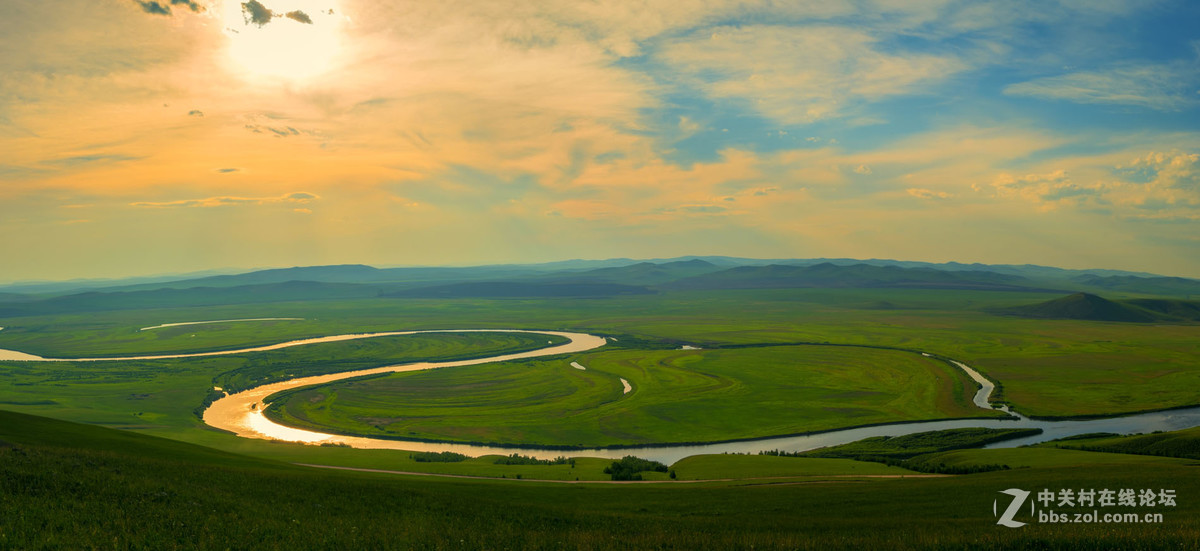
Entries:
{"x":241,"y":413}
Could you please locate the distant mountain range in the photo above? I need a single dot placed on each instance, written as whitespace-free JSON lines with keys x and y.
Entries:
{"x":519,"y":289}
{"x":829,"y":275}
{"x":607,"y":278}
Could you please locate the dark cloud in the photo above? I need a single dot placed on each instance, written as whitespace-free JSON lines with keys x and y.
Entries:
{"x":80,"y":160}
{"x":153,"y":7}
{"x":226,"y":170}
{"x":256,"y":13}
{"x":163,"y":8}
{"x":189,"y":3}
{"x":299,"y":16}
{"x":703,"y":209}
{"x":278,"y":131}
{"x":195,"y":113}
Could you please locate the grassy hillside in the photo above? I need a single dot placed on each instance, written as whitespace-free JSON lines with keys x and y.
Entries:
{"x":1086,"y":306}
{"x":1183,"y":443}
{"x":1188,"y":310}
{"x":911,"y":445}
{"x":80,"y":487}
{"x":1083,"y":306}
{"x":1136,"y":284}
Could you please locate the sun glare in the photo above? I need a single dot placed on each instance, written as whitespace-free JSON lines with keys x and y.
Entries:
{"x":288,"y":39}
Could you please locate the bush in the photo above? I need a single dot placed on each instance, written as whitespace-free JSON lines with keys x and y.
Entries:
{"x":438,"y":457}
{"x":516,"y":459}
{"x":629,"y":467}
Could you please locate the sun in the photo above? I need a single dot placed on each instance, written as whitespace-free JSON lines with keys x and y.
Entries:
{"x":283,"y":39}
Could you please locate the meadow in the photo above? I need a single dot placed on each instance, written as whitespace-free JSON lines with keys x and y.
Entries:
{"x":678,"y":396}
{"x":64,"y":485}
{"x":770,"y":362}
{"x":165,"y":396}
{"x":1044,"y":367}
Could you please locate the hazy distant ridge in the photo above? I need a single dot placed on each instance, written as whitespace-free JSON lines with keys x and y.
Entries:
{"x":593,"y":279}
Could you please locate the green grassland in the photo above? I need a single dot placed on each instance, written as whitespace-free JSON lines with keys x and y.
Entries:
{"x":713,"y":467}
{"x":909,"y":446}
{"x":80,"y":487}
{"x":163,"y":395}
{"x":1181,"y":443}
{"x":71,"y":486}
{"x":1045,"y":367}
{"x":1040,"y":458}
{"x":678,"y":396}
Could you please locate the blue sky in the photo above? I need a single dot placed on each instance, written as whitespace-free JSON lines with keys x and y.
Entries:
{"x":147,"y":137}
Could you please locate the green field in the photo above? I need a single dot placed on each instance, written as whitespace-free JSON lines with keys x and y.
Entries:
{"x":677,"y":396}
{"x":1183,"y":443}
{"x":72,"y":486}
{"x":164,"y":395}
{"x":1044,"y":367}
{"x":1036,"y":457}
{"x":751,"y":467}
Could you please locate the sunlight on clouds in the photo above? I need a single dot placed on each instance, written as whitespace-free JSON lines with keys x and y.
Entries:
{"x":1169,"y":191}
{"x":292,"y":40}
{"x":1049,"y":191}
{"x":799,"y":75}
{"x":622,"y":127}
{"x":922,"y":193}
{"x":1160,"y":186}
{"x":295,"y":197}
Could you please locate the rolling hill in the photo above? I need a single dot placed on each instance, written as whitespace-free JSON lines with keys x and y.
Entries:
{"x":1136,"y":284}
{"x":1086,"y":306}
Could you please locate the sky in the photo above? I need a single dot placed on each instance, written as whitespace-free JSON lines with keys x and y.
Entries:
{"x":146,"y":137}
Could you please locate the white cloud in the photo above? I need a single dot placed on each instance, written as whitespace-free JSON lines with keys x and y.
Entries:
{"x":688,"y":127}
{"x":922,"y":193}
{"x":802,"y":74}
{"x":1159,"y":87}
{"x":1154,"y":186}
{"x":300,"y":197}
{"x":1048,"y":190}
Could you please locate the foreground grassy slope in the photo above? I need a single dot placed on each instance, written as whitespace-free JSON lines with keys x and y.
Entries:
{"x":70,"y":486}
{"x":1051,"y":458}
{"x":709,"y":467}
{"x":677,"y":396}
